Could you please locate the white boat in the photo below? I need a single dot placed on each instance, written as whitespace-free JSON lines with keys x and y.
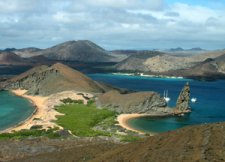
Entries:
{"x":165,"y":96}
{"x":193,"y":100}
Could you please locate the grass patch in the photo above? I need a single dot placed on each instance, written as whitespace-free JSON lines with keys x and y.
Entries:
{"x":70,"y":101}
{"x":80,"y":119}
{"x":30,"y":133}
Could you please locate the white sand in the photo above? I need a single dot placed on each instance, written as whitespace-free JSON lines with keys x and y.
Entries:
{"x":123,"y":122}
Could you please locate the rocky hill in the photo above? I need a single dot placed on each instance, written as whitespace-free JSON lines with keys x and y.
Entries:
{"x":10,"y":58}
{"x":135,"y":61}
{"x":194,"y":143}
{"x":44,"y":80}
{"x":26,"y":52}
{"x":163,"y":63}
{"x":137,"y":102}
{"x":211,"y":68}
{"x":203,"y":143}
{"x":81,"y":50}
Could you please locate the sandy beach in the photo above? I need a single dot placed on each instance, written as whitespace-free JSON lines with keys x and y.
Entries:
{"x":123,"y":122}
{"x":45,"y":113}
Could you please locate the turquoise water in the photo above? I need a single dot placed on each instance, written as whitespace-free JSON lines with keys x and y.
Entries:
{"x":13,"y":109}
{"x":209,"y":108}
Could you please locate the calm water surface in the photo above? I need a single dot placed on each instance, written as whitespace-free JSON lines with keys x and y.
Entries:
{"x":13,"y":109}
{"x":210,"y":105}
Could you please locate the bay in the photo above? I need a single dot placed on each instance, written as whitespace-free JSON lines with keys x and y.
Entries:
{"x":13,"y":109}
{"x":209,"y":108}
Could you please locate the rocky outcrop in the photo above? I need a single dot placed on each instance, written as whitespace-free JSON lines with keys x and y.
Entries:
{"x":138,"y":102}
{"x":183,"y":101}
{"x":44,"y":80}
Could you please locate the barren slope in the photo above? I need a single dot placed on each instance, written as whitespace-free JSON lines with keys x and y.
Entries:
{"x":163,"y":62}
{"x":10,"y":58}
{"x":46,"y":80}
{"x":203,"y":143}
{"x":82,"y":50}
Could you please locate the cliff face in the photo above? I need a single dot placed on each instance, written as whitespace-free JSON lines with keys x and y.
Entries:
{"x":183,"y":100}
{"x":44,"y":80}
{"x":139,"y":102}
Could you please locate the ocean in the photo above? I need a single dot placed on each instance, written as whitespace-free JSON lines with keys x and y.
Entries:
{"x":209,"y":108}
{"x":13,"y":109}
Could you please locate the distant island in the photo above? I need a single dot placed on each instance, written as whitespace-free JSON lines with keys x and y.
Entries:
{"x":194,"y":63}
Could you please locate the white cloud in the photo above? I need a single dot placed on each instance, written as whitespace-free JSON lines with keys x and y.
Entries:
{"x":112,"y":23}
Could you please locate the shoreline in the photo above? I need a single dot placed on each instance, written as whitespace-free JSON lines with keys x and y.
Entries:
{"x":44,"y":113}
{"x":123,"y":122}
{"x":29,"y":117}
{"x":38,"y":113}
{"x":124,"y":118}
{"x":149,"y":76}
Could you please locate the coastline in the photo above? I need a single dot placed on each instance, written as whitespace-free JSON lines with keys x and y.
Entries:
{"x":39,"y":113}
{"x":44,"y":114}
{"x":34,"y":106}
{"x":123,"y":122}
{"x":149,"y":76}
{"x":124,"y":118}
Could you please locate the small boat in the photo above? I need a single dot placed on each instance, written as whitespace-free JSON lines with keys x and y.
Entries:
{"x":165,"y":96}
{"x":193,"y":100}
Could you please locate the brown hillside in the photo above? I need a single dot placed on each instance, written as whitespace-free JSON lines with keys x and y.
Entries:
{"x":8,"y":58}
{"x":204,"y":143}
{"x":46,"y":80}
{"x":81,"y":50}
{"x":137,"y":102}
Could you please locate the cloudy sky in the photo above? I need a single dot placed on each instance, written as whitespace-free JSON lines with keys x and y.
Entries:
{"x":113,"y":24}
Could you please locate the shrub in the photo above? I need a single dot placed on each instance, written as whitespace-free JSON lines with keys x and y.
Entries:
{"x":90,"y":102}
{"x":70,"y":101}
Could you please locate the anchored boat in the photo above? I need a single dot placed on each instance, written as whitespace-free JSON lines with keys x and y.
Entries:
{"x":165,"y":96}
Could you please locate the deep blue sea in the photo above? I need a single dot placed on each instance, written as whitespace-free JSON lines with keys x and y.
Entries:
{"x":210,"y":105}
{"x":13,"y":109}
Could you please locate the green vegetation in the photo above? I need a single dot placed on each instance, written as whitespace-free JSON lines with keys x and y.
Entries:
{"x":70,"y":101}
{"x":90,"y":102}
{"x":88,"y":121}
{"x":30,"y":133}
{"x":36,"y":127}
{"x":80,"y":119}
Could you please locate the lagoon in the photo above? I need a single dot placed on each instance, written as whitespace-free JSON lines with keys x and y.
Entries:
{"x":13,"y":109}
